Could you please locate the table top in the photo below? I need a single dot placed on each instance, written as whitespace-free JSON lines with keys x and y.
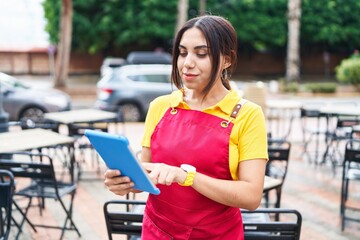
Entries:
{"x":283,"y":104}
{"x":31,"y":139}
{"x":341,"y":110}
{"x":80,"y":116}
{"x":271,"y":183}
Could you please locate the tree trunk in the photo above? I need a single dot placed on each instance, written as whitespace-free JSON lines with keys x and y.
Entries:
{"x":293,"y":48}
{"x":182,"y":16}
{"x":64,"y":47}
{"x":202,"y":7}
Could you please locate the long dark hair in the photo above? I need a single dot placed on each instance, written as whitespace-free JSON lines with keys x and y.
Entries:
{"x":221,"y":37}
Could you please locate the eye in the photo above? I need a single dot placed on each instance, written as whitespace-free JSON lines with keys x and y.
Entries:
{"x":183,"y":53}
{"x":202,"y":55}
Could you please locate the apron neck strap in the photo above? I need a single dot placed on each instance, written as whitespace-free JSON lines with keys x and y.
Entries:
{"x":237,"y":108}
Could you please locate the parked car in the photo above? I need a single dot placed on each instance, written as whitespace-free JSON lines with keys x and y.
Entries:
{"x":136,"y":57}
{"x":22,"y":102}
{"x":109,"y":64}
{"x":148,"y":57}
{"x":130,"y":89}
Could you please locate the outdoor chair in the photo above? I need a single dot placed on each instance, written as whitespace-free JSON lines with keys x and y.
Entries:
{"x":39,"y":169}
{"x":85,"y":154}
{"x":41,"y":123}
{"x":260,"y":225}
{"x":341,"y":134}
{"x":7,"y":187}
{"x":350,"y":174}
{"x":277,"y":166}
{"x":313,"y":128}
{"x":124,"y":217}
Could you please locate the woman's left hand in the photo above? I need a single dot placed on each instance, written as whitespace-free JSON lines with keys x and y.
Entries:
{"x":161,"y":173}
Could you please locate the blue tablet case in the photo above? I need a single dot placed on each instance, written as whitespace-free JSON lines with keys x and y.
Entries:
{"x":115,"y":151}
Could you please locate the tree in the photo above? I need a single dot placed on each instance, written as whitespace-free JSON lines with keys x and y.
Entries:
{"x":293,"y":46}
{"x":182,"y":14}
{"x":64,"y":46}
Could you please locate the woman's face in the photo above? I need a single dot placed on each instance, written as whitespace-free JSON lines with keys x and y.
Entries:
{"x":194,"y":62}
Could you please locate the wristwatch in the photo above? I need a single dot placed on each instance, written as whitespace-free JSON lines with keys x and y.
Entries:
{"x":191,"y":170}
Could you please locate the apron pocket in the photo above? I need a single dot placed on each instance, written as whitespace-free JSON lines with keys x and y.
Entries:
{"x":152,"y":232}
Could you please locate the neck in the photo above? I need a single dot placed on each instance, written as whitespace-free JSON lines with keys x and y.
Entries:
{"x":198,"y":101}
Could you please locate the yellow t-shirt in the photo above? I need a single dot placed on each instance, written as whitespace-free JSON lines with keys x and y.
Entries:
{"x":248,"y":139}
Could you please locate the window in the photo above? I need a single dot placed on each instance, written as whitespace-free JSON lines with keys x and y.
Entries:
{"x":159,"y":78}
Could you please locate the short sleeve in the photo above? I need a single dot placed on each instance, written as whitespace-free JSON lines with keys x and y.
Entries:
{"x":253,"y":136}
{"x":156,"y":111}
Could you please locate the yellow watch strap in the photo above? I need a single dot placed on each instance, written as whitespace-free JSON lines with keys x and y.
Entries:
{"x":189,"y":179}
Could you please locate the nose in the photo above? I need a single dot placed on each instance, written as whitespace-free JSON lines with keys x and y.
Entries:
{"x":189,"y":61}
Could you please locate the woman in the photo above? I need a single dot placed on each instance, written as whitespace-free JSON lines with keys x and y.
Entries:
{"x":204,"y":146}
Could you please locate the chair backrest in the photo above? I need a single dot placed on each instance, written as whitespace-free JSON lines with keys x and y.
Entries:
{"x":277,"y":165}
{"x":35,"y":166}
{"x":7,"y":187}
{"x":352,"y":152}
{"x":42,"y":123}
{"x":127,"y":220}
{"x":264,"y":227}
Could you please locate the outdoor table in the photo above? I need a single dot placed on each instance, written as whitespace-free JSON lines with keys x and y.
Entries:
{"x":335,"y":110}
{"x":81,"y":116}
{"x":76,"y":122}
{"x":36,"y":139}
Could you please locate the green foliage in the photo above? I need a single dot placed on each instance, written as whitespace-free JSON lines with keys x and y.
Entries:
{"x":324,"y":87}
{"x":288,"y":87}
{"x":349,"y":71}
{"x":261,"y":25}
{"x":332,"y":24}
{"x":101,"y":26}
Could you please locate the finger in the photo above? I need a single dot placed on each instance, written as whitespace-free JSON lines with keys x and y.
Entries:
{"x":110,"y":173}
{"x":148,"y":166}
{"x":116,"y":181}
{"x":170,"y":178}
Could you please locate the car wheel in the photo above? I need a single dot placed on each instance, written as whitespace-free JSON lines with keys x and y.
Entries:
{"x":34,"y":113}
{"x":129,"y":112}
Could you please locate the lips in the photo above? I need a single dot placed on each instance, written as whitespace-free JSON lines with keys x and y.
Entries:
{"x":189,"y":76}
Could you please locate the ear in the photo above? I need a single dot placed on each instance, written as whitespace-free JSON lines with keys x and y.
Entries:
{"x":227,"y":62}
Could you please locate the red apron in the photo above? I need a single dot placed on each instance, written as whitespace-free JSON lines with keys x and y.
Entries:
{"x":201,"y":140}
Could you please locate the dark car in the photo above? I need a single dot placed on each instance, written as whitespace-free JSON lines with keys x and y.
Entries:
{"x":130,"y":89}
{"x":147,"y":57}
{"x":23,"y":102}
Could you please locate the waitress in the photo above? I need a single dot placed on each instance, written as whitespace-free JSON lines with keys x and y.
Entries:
{"x":204,"y":146}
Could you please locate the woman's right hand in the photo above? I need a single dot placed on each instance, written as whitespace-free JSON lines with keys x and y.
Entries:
{"x":120,"y":185}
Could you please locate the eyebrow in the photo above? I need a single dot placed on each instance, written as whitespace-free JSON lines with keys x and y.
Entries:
{"x":197,"y":47}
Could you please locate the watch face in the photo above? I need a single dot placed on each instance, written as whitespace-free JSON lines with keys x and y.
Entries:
{"x":188,"y":168}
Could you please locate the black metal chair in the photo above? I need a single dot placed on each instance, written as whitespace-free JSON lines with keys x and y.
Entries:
{"x":313,"y":128}
{"x":7,"y":187}
{"x":126,"y":219}
{"x":259,"y":224}
{"x":39,"y":169}
{"x":351,"y":172}
{"x":277,"y":167}
{"x":341,"y":134}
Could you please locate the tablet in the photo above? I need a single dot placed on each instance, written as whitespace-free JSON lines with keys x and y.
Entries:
{"x":116,"y":153}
